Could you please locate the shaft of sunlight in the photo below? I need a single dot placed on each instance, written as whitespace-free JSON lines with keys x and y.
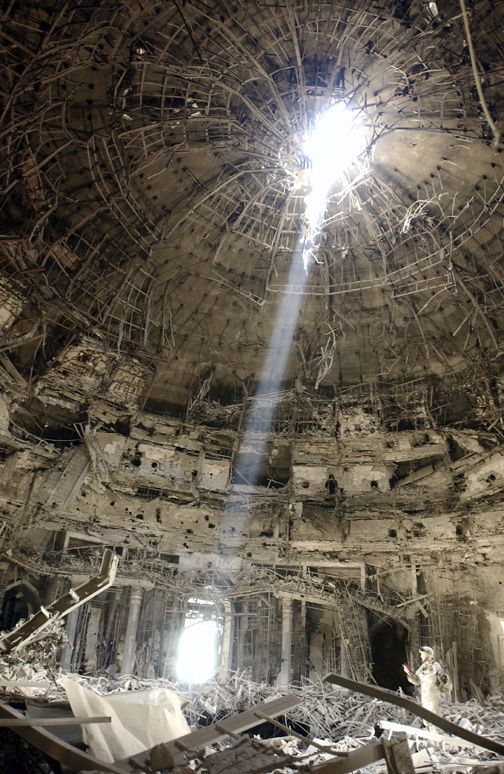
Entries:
{"x":261,"y":411}
{"x":336,"y":140}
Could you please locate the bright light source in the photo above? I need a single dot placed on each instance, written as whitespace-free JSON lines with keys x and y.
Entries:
{"x":337,"y":139}
{"x":197,"y":651}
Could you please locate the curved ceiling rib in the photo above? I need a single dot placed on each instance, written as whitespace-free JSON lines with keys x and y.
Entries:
{"x":154,"y":183}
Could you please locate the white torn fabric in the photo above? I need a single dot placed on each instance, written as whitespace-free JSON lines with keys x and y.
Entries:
{"x":140,"y":719}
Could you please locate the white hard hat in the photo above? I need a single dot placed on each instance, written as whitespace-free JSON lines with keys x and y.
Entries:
{"x":426,"y":649}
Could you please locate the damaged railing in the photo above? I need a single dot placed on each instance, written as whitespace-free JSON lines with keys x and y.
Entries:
{"x":74,"y":598}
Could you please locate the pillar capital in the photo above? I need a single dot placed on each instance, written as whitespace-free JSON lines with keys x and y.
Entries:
{"x":136,"y":594}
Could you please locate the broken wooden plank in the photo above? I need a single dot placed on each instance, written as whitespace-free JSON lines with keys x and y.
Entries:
{"x":26,"y":721}
{"x":416,"y":709}
{"x":64,"y":753}
{"x":397,"y":755}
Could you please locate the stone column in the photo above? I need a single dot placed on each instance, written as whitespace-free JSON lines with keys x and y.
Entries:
{"x":242,"y":631}
{"x":284,"y":678}
{"x":128,"y":659}
{"x":51,"y":592}
{"x":227,"y":641}
{"x":71,"y":630}
{"x":93,"y":628}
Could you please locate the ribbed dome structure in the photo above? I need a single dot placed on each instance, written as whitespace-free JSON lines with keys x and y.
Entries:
{"x":153,"y":178}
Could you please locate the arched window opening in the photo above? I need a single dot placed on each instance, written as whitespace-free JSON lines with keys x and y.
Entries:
{"x":199,"y":643}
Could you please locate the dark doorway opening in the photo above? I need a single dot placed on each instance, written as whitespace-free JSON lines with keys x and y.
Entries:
{"x":14,"y":608}
{"x":388,"y":649}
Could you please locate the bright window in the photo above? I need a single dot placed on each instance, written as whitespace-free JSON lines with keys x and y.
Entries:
{"x":197,"y":649}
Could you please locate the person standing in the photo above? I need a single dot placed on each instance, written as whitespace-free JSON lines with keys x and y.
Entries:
{"x":433,"y":679}
{"x":331,"y":486}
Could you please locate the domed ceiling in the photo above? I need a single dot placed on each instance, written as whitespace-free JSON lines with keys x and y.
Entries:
{"x":154,"y":187}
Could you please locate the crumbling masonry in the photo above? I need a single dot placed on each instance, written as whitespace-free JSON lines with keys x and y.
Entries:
{"x":153,"y":195}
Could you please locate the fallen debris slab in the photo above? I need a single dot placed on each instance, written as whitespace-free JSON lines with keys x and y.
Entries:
{"x":164,"y":755}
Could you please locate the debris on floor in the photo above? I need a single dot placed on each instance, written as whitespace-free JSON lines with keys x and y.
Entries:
{"x":30,"y":670}
{"x":326,"y":721}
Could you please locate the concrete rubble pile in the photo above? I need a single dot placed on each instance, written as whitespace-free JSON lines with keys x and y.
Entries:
{"x":327,"y":718}
{"x":30,"y":670}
